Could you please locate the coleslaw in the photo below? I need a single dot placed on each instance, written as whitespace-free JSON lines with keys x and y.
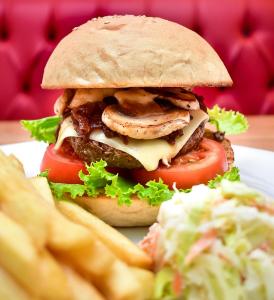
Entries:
{"x":216,"y":244}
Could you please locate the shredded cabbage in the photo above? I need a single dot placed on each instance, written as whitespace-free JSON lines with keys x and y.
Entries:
{"x":228,"y":233}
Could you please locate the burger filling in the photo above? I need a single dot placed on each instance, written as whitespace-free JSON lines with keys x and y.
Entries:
{"x":131,"y":128}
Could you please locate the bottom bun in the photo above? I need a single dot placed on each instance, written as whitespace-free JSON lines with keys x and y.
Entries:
{"x":139,"y":213}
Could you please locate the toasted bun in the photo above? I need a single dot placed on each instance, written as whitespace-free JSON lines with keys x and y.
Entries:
{"x":133,"y":51}
{"x":139,"y":213}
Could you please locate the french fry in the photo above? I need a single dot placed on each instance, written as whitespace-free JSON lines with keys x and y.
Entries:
{"x":18,"y":254}
{"x":17,"y":163}
{"x":30,"y":224}
{"x":22,"y":203}
{"x":121,"y":246}
{"x":112,"y":277}
{"x":41,"y":220}
{"x":37,"y":272}
{"x":120,"y":283}
{"x":146,"y":280}
{"x":93,"y":260}
{"x":42,"y":187}
{"x":64,"y":235}
{"x":53,"y":283}
{"x":39,"y":217}
{"x":81,"y":289}
{"x":10,"y":290}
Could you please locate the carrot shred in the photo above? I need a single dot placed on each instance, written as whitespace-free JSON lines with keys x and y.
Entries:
{"x":177,"y":284}
{"x":204,"y":243}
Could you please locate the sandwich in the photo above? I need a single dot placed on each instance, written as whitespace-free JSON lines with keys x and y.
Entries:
{"x":128,"y":125}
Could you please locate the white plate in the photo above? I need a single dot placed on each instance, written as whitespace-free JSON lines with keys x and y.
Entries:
{"x":256,"y":169}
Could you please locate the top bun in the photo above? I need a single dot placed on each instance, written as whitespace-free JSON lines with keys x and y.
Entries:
{"x":133,"y":51}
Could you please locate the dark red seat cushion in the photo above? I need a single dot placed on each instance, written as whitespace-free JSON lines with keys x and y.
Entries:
{"x":241,"y":31}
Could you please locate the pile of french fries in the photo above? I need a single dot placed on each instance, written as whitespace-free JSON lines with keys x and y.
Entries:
{"x":58,"y":250}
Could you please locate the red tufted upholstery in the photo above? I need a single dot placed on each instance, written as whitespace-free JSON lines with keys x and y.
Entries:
{"x":241,"y":31}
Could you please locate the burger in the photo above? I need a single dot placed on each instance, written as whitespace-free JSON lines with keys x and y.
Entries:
{"x":128,"y":118}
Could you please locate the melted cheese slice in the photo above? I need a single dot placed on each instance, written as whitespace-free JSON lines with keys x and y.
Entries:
{"x":147,"y":152}
{"x":66,"y":130}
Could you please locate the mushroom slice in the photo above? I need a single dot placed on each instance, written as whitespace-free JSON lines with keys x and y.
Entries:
{"x":83,"y":96}
{"x":178,"y":97}
{"x":63,"y":101}
{"x":134,"y":96}
{"x":150,"y":126}
{"x":189,"y":105}
{"x":137,"y":102}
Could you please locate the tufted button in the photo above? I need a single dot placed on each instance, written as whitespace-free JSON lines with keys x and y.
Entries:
{"x":198,"y":29}
{"x":26,"y":87}
{"x":270,"y":84}
{"x":4,"y":35}
{"x":52,"y":33}
{"x":246,"y":29}
{"x":51,"y":28}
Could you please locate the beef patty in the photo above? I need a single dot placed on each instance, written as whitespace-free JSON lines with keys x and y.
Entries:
{"x":91,"y":151}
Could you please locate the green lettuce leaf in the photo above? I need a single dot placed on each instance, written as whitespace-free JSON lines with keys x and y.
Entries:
{"x":62,"y":190}
{"x":227,"y":121}
{"x":43,"y":129}
{"x":97,"y":177}
{"x":121,"y":189}
{"x":99,"y":181}
{"x":154,"y":192}
{"x":44,"y":173}
{"x":232,"y":175}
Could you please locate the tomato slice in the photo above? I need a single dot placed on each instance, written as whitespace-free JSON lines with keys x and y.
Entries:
{"x":61,"y":167}
{"x":196,"y":167}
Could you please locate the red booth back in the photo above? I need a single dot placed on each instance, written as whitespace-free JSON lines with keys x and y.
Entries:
{"x":241,"y":31}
